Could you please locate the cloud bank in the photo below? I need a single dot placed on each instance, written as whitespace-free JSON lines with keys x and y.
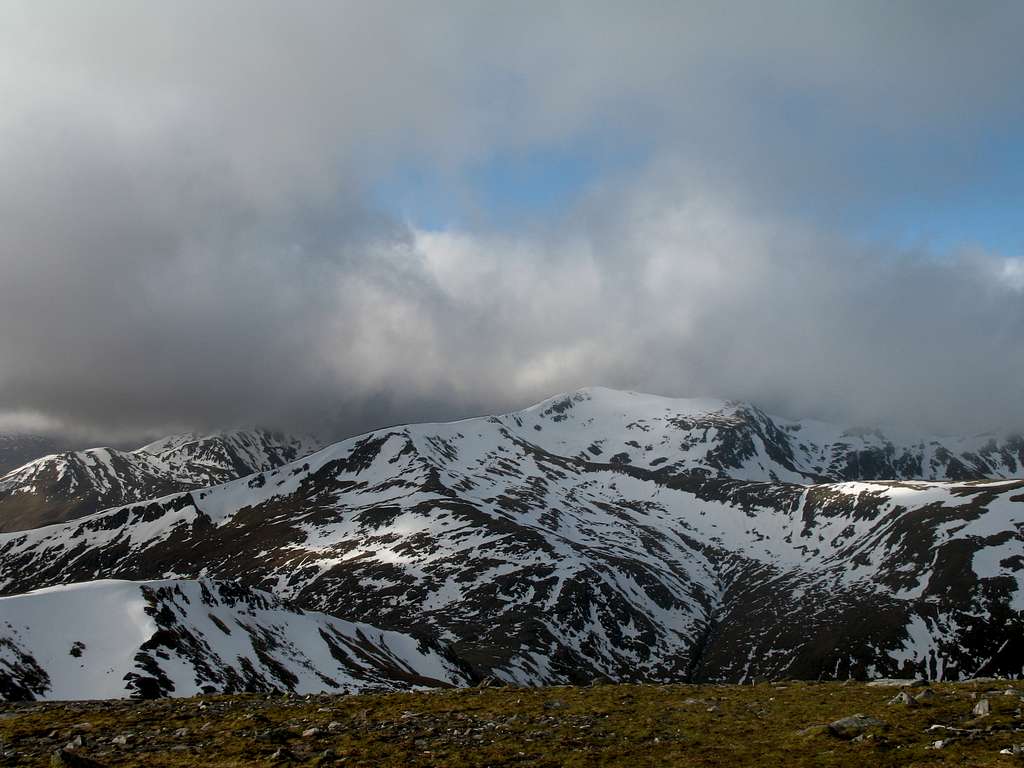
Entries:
{"x":191,"y":238}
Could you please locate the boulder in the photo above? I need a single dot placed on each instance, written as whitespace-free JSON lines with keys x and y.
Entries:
{"x":853,"y":726}
{"x":903,"y":698}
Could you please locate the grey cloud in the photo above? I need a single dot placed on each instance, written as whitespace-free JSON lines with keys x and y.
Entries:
{"x":189,"y":238}
{"x":718,"y":301}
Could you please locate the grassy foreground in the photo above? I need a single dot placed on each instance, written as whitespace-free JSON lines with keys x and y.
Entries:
{"x":777,"y":724}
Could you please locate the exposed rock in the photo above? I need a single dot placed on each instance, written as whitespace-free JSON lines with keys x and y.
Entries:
{"x":853,"y":726}
{"x":925,"y":696}
{"x":982,"y":708}
{"x":904,"y":699}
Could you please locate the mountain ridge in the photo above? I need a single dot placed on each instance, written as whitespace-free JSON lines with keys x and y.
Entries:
{"x":73,"y":484}
{"x":600,"y":534}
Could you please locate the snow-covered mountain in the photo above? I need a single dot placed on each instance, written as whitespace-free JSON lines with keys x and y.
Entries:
{"x":17,"y":448}
{"x":739,"y":440}
{"x":110,"y":639}
{"x":615,"y":534}
{"x":73,"y":484}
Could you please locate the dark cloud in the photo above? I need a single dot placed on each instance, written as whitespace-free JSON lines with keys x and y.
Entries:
{"x":189,"y":239}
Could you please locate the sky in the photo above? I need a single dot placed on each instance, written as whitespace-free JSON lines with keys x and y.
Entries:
{"x":331,"y":216}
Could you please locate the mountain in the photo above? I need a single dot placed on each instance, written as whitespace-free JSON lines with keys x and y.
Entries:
{"x":18,"y":448}
{"x":612,"y":534}
{"x":73,"y":484}
{"x":109,"y":639}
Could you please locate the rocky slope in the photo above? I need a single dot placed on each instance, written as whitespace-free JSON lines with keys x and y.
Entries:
{"x":795,"y":724}
{"x":73,"y":484}
{"x":109,"y":639}
{"x":610,"y":534}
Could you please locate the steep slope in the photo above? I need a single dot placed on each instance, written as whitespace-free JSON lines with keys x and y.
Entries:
{"x":110,"y":639}
{"x":69,"y":485}
{"x":600,"y":533}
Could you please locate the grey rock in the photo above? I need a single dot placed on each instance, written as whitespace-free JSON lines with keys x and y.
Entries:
{"x":853,"y":726}
{"x":903,"y":698}
{"x":982,"y":708}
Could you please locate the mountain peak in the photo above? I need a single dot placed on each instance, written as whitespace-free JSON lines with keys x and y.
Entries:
{"x":72,"y":484}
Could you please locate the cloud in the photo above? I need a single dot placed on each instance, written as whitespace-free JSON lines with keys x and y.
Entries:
{"x":189,"y":237}
{"x":688,"y":295}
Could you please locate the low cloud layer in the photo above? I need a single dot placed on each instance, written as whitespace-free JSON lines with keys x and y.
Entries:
{"x":190,"y":235}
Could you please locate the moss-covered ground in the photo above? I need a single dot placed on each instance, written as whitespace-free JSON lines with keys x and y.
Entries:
{"x":770,"y":724}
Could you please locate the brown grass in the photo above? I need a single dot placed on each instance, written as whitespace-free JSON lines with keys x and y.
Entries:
{"x":779,"y":724}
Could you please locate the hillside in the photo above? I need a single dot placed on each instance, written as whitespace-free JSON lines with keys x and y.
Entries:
{"x":110,"y":639}
{"x":606,"y":534}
